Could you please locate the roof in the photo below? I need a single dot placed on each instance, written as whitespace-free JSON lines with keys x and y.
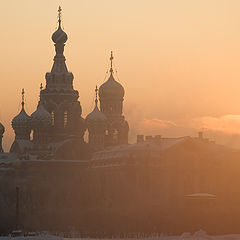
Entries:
{"x":149,"y":147}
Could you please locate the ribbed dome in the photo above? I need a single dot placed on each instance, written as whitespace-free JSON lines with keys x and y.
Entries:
{"x":41,"y":117}
{"x":22,"y":120}
{"x":111,"y":88}
{"x":96,"y":115}
{"x":2,"y":129}
{"x":59,"y":36}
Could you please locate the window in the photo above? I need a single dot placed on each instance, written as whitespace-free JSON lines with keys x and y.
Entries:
{"x":65,"y":118}
{"x":52,"y":118}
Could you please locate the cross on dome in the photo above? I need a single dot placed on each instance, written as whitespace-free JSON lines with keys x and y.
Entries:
{"x":23,"y":92}
{"x":111,"y":60}
{"x":59,"y":15}
{"x":96,"y":91}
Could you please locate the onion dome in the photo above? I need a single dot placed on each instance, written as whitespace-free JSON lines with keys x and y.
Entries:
{"x":111,"y":88}
{"x":96,"y":118}
{"x":41,"y":117}
{"x":2,"y":129}
{"x":96,"y":115}
{"x":59,"y":36}
{"x":22,"y":122}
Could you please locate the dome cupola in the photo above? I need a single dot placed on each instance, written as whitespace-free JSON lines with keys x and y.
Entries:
{"x":96,"y":117}
{"x":59,"y":36}
{"x":97,"y":125}
{"x":111,"y":88}
{"x":41,"y":118}
{"x":21,"y":124}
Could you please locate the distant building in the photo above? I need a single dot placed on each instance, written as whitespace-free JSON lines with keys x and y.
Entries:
{"x":57,"y":126}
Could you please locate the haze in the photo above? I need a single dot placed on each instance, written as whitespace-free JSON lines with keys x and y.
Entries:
{"x":178,"y":60}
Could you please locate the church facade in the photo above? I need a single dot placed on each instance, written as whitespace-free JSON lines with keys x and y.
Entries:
{"x":57,"y":126}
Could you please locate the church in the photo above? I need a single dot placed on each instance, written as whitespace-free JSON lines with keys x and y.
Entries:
{"x":106,"y":185}
{"x":57,"y":126}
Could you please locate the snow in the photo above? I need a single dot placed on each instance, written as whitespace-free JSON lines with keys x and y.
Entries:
{"x":199,"y":235}
{"x":151,"y":147}
{"x":201,"y":195}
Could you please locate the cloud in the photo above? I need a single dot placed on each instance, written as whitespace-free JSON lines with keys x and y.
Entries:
{"x":155,"y":124}
{"x":227,"y":124}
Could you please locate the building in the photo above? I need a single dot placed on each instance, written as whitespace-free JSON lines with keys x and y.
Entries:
{"x":106,"y":184}
{"x":57,"y":124}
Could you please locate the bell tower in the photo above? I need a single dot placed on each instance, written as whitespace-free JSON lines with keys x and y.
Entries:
{"x":111,"y":96}
{"x":59,"y":97}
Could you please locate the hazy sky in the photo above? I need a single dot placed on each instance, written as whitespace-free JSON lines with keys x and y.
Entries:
{"x":177,"y":59}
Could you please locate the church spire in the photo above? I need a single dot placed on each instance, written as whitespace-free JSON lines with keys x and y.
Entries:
{"x":96,"y":99}
{"x":23,"y":92}
{"x":111,"y":60}
{"x":59,"y":36}
{"x":59,"y":16}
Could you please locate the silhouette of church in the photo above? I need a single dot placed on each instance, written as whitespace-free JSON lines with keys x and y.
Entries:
{"x":57,"y":124}
{"x":105,"y":184}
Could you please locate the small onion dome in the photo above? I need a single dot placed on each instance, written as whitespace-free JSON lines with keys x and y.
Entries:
{"x":59,"y":36}
{"x":41,"y":117}
{"x":96,"y":121}
{"x":2,"y":129}
{"x":111,"y":88}
{"x":22,"y":120}
{"x":96,"y":116}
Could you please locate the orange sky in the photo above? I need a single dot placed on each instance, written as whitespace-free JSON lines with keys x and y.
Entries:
{"x":177,"y":59}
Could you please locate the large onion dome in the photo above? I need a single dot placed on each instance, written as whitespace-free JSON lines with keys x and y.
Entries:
{"x":59,"y":36}
{"x":111,"y":89}
{"x":2,"y":129}
{"x":41,"y":118}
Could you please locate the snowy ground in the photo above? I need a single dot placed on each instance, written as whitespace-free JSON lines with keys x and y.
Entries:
{"x":200,"y":235}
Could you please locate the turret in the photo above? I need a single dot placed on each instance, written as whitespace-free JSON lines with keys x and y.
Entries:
{"x":97,"y":125}
{"x":21,"y":124}
{"x":41,"y":121}
{"x":111,"y":96}
{"x":59,"y":97}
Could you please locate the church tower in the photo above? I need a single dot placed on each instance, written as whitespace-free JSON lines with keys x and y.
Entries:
{"x":97,"y":125}
{"x":21,"y":124}
{"x":40,"y":122}
{"x":59,"y":97}
{"x":111,"y":96}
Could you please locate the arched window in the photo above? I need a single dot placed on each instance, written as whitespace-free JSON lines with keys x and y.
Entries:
{"x":52,"y":118}
{"x":65,"y":118}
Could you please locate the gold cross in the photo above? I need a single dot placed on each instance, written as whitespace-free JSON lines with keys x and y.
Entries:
{"x":59,"y":13}
{"x":96,"y":91}
{"x":23,"y":95}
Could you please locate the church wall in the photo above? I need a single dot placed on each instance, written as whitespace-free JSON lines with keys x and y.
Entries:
{"x":124,"y":195}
